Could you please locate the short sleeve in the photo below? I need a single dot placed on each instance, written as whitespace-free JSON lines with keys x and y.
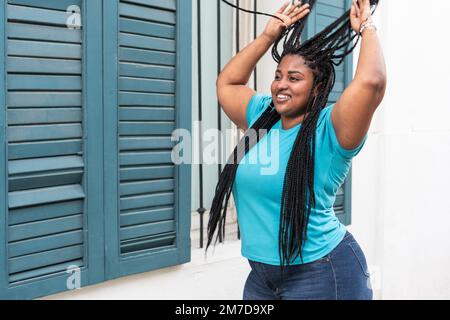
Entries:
{"x":348,"y":154}
{"x":256,"y":106}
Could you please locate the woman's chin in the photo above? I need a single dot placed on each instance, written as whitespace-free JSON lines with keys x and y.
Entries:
{"x":282,"y":108}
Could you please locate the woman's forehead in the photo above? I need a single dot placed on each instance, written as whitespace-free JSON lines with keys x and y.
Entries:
{"x":293,"y":62}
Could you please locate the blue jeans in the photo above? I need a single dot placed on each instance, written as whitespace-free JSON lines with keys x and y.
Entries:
{"x":340,"y":275}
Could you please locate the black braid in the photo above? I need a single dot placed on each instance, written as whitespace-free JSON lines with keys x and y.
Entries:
{"x":321,"y":55}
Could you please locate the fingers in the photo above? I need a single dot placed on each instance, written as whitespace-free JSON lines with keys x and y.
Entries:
{"x":293,"y":13}
{"x":295,"y":9}
{"x":289,"y":10}
{"x":302,"y":12}
{"x":356,"y":8}
{"x":363,"y":4}
{"x":353,"y":11}
{"x":285,"y":5}
{"x":299,"y":12}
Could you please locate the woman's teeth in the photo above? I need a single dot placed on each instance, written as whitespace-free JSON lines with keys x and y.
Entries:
{"x":283,"y":97}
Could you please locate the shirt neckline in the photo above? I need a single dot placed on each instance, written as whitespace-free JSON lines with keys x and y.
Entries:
{"x":294,"y":128}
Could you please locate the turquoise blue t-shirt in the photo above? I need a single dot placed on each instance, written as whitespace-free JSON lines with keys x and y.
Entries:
{"x":259,"y":181}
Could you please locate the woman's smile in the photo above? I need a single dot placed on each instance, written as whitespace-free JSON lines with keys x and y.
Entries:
{"x":282,"y":98}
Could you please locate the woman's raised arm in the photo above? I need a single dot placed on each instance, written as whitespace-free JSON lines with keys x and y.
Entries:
{"x":232,"y":90}
{"x":354,"y":110}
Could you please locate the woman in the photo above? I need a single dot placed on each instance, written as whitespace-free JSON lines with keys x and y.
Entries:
{"x":295,"y":245}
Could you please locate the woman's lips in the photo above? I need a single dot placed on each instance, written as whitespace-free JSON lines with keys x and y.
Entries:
{"x":281,"y":98}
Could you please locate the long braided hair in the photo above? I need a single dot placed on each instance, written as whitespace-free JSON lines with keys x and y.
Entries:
{"x":321,"y":53}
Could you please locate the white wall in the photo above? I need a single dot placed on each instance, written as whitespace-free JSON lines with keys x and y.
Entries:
{"x":401,"y":178}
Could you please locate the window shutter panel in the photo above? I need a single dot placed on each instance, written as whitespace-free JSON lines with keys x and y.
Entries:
{"x":50,"y":163}
{"x":147,"y":96}
{"x":324,"y":13}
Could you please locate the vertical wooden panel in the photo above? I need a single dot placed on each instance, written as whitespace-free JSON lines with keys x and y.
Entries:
{"x":93,"y":84}
{"x":3,"y":157}
{"x":184,"y":121}
{"x":111,"y":149}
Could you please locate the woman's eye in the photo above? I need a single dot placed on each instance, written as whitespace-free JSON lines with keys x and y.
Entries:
{"x":294,"y":79}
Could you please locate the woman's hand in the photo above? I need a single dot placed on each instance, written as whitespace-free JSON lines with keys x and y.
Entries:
{"x":360,"y":13}
{"x":289,"y":16}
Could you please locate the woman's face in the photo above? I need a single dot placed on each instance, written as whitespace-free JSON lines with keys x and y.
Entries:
{"x":291,"y":86}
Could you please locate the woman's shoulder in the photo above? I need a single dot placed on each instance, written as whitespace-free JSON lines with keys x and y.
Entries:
{"x":258,"y":103}
{"x":324,"y":113}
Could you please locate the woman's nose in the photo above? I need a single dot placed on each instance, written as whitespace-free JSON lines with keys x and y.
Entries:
{"x":282,"y":85}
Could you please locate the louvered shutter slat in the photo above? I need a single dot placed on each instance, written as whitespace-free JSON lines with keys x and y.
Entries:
{"x":148,"y":57}
{"x":60,"y":5}
{"x":44,"y":116}
{"x":142,"y":143}
{"x":44,"y":271}
{"x":39,"y":260}
{"x":44,"y":49}
{"x":146,"y":13}
{"x":45,"y":243}
{"x":44,"y":32}
{"x":44,"y":99}
{"x":146,"y":216}
{"x":45,"y":212}
{"x":147,"y":71}
{"x":140,"y":187}
{"x":147,"y":85}
{"x":43,"y":66}
{"x":43,"y":149}
{"x":147,"y":28}
{"x":42,"y":228}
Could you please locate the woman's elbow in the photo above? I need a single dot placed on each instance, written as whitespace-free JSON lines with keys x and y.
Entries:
{"x":374,"y":86}
{"x":379,"y":89}
{"x":222,"y":80}
{"x":375,"y":82}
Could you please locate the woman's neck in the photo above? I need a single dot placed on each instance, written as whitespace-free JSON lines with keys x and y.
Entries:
{"x":288,"y":122}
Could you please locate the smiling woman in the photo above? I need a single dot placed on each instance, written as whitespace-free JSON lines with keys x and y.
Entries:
{"x":296,"y":246}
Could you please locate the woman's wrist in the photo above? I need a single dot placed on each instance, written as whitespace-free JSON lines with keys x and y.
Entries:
{"x":270,"y":40}
{"x":367,"y":24}
{"x":372,"y":28}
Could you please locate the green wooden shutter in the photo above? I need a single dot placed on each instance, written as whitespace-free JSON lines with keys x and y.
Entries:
{"x":324,"y":13}
{"x":49,"y":159}
{"x":147,"y":95}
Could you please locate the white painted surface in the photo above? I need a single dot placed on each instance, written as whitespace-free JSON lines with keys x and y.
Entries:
{"x":401,"y":178}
